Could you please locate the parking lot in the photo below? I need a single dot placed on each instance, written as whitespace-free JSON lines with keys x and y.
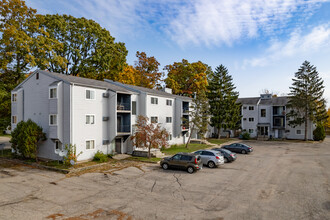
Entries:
{"x":279,"y":180}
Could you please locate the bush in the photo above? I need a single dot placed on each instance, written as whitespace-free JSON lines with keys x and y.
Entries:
{"x":100,"y":157}
{"x":319,"y":133}
{"x":71,"y":157}
{"x":25,"y":138}
{"x":246,"y":136}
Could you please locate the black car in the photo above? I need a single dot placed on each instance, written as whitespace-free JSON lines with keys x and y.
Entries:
{"x":185,"y":161}
{"x":227,"y":154}
{"x":239,"y":148}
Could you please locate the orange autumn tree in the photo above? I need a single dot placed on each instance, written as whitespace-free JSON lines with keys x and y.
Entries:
{"x":149,"y":135}
{"x":327,"y":123}
{"x":186,"y":78}
{"x":145,"y":72}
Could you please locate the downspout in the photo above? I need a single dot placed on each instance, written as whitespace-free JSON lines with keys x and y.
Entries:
{"x":71,"y":115}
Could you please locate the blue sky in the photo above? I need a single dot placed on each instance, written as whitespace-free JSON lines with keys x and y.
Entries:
{"x":262,"y":43}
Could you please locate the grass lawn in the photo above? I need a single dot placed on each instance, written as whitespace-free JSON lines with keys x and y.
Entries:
{"x":218,"y":141}
{"x":182,"y":148}
{"x":6,"y":153}
{"x":5,"y":135}
{"x":144,"y":159}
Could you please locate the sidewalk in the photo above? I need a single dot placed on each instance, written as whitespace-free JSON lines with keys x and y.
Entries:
{"x":4,"y":142}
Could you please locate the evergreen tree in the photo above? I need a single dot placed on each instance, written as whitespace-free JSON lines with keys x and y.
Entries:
{"x":306,"y":102}
{"x":199,"y":115}
{"x":225,"y":112}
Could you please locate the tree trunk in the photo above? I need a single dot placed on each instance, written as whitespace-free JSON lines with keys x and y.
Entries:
{"x":149,"y":155}
{"x":190,"y":136}
{"x":306,"y":121}
{"x":219,"y":131}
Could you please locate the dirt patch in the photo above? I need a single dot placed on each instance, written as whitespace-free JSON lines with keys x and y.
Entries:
{"x":97,"y":214}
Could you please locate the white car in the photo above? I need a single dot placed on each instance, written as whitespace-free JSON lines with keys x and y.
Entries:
{"x":211,"y":158}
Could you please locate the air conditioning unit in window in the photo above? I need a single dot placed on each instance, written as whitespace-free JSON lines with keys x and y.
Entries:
{"x":105,"y":118}
{"x":104,"y":142}
{"x":105,"y":95}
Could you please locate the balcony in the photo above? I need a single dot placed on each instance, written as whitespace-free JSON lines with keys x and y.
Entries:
{"x":279,"y":111}
{"x":122,"y":106}
{"x":123,"y":102}
{"x":123,"y":128}
{"x":279,"y":122}
{"x":185,"y":107}
{"x":185,"y":127}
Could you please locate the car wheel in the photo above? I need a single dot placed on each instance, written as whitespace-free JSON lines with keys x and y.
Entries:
{"x":190,"y":170}
{"x":211,"y":164}
{"x":226,"y":160}
{"x":243,"y":152}
{"x":165,"y":166}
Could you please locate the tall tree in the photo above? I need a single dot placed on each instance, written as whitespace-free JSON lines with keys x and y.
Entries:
{"x":306,"y":102}
{"x":89,"y":50}
{"x":23,"y":44}
{"x":149,"y":135}
{"x":327,"y":124}
{"x":147,"y":71}
{"x":199,"y":115}
{"x":224,"y":111}
{"x":186,"y":78}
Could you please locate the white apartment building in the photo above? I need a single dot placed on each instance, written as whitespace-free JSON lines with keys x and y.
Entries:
{"x":265,"y":117}
{"x":91,"y":114}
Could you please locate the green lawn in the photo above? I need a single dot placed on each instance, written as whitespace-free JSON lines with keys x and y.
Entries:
{"x":218,"y":141}
{"x":145,"y":159}
{"x":5,"y":135}
{"x":182,"y":148}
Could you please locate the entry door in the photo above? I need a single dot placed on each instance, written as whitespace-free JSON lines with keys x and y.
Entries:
{"x":118,"y":145}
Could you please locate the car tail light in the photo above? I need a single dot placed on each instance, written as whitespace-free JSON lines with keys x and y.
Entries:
{"x":250,"y":147}
{"x":195,"y":160}
{"x":217,"y":157}
{"x":232,"y":155}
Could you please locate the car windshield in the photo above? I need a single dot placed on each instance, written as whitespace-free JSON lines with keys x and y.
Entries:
{"x":227,"y":151}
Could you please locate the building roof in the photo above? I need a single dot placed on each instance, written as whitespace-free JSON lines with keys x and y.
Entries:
{"x":274,"y":101}
{"x":248,"y":101}
{"x":80,"y":81}
{"x":147,"y":90}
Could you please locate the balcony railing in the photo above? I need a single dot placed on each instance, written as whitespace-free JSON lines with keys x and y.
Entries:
{"x":124,"y":106}
{"x":185,"y":110}
{"x":185,"y":127}
{"x":124,"y":128}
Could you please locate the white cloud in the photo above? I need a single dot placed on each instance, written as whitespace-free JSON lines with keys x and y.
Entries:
{"x":213,"y":22}
{"x":299,"y":43}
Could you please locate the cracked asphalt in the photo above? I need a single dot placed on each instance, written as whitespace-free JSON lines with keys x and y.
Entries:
{"x":279,"y":180}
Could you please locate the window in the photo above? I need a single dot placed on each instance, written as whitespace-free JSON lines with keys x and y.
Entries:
{"x":53,"y":93}
{"x":37,"y":76}
{"x":244,"y":119}
{"x":133,"y":108}
{"x":169,"y":138}
{"x":154,"y":119}
{"x":186,"y":157}
{"x":251,"y":108}
{"x":90,"y":94}
{"x":58,"y":145}
{"x":263,"y":113}
{"x":207,"y":153}
{"x":90,"y":119}
{"x":14,"y":97}
{"x":169,"y":102}
{"x":251,"y":119}
{"x":90,"y":144}
{"x":298,"y":132}
{"x":154,"y":100}
{"x":177,"y":157}
{"x":14,"y":119}
{"x":244,"y":107}
{"x":250,"y":131}
{"x":168,"y":119}
{"x":52,"y":119}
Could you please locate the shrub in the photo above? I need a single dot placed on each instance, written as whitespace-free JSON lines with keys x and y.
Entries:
{"x":100,"y":157}
{"x":319,"y":133}
{"x":25,"y":138}
{"x":246,"y":136}
{"x":71,"y":157}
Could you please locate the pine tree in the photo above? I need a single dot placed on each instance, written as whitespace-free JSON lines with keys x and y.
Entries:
{"x":306,"y":101}
{"x":225,"y":112}
{"x":199,"y":115}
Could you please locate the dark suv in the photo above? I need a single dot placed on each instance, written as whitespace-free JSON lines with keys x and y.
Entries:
{"x":185,"y":161}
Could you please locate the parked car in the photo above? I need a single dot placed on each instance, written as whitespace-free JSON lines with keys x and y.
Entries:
{"x":185,"y":161}
{"x":239,"y":148}
{"x":210,"y":158}
{"x":227,"y":154}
